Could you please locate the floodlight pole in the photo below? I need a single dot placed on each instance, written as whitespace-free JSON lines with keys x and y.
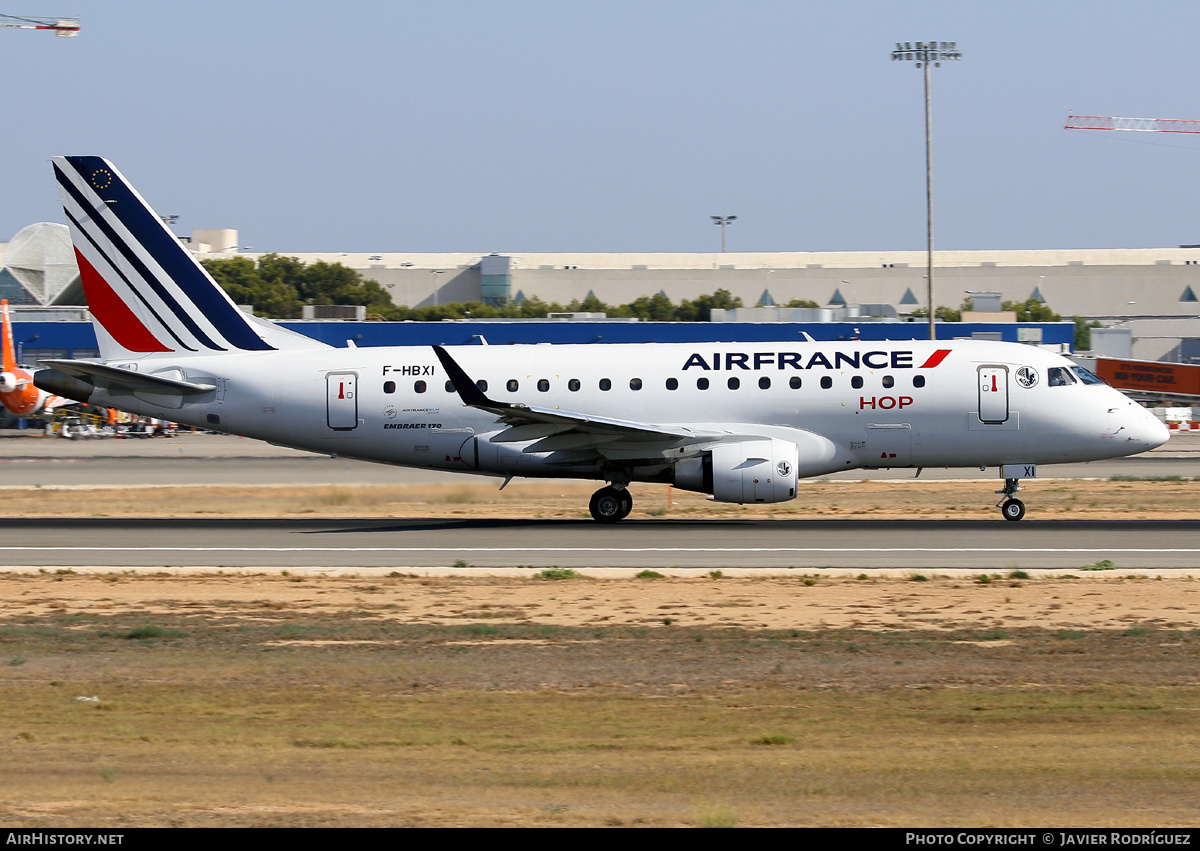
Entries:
{"x":926,"y":52}
{"x":724,"y":222}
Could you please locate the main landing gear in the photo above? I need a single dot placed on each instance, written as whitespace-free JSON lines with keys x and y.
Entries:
{"x":610,"y":504}
{"x":1011,"y":507}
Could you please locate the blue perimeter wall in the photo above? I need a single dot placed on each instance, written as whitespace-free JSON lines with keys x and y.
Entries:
{"x":79,"y":335}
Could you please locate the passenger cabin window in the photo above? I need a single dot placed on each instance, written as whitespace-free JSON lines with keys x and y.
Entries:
{"x":605,"y":384}
{"x":482,"y":385}
{"x":1059,"y":376}
{"x":513,"y":385}
{"x":419,"y":386}
{"x":794,"y":382}
{"x":701,"y":383}
{"x":734,"y":383}
{"x":856,"y":382}
{"x":918,"y":381}
{"x":573,"y":384}
{"x":635,"y":384}
{"x":543,"y":385}
{"x":672,"y":384}
{"x":764,"y":383}
{"x":888,"y":381}
{"x":389,"y":387}
{"x":826,"y":382}
{"x":449,"y":386}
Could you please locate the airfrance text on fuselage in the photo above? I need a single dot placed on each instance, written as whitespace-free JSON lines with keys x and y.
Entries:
{"x":795,"y":360}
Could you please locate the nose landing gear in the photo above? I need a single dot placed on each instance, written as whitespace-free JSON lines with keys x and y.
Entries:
{"x":1011,"y":507}
{"x":610,"y":504}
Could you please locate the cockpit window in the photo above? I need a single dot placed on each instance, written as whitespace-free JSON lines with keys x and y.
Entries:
{"x":1059,"y":376}
{"x":1086,"y":377}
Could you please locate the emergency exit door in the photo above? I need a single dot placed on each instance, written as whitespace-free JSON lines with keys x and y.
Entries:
{"x":341,"y":400}
{"x":993,"y":394}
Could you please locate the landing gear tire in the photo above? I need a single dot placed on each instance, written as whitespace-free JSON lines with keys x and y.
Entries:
{"x":1013,"y":509}
{"x":609,"y":505}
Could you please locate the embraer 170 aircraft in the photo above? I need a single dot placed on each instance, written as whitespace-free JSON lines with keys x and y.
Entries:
{"x":742,"y":422}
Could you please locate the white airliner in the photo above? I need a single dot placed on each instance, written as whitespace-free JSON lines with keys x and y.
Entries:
{"x":742,"y":422}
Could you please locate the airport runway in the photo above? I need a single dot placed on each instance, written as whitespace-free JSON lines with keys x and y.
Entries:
{"x":991,"y":545}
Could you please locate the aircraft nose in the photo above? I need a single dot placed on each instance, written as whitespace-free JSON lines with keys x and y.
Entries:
{"x":1157,"y":432}
{"x":1148,"y":429}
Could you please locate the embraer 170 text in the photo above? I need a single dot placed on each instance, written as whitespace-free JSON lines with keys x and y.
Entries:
{"x":742,"y":422}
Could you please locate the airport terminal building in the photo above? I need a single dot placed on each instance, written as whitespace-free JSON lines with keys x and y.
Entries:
{"x":1148,"y":297}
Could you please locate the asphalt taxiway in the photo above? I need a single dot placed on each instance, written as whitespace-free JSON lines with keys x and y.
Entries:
{"x":401,"y":545}
{"x":329,"y":544}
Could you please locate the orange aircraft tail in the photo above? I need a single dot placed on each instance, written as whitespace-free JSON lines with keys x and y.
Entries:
{"x":10,"y":351}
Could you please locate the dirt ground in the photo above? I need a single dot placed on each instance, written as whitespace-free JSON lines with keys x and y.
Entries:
{"x":844,"y":698}
{"x":845,"y":600}
{"x":314,"y":700}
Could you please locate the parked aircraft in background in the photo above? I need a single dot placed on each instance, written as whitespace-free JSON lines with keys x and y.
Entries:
{"x":17,"y":390}
{"x":742,"y":422}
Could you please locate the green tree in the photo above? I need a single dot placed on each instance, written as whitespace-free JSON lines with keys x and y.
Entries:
{"x":239,"y":277}
{"x":701,"y":309}
{"x":591,"y":304}
{"x":1083,"y":333}
{"x":280,"y":286}
{"x":946,"y":314}
{"x":655,"y":308}
{"x":1031,"y":310}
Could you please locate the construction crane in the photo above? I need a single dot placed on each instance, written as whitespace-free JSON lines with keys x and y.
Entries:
{"x":62,"y":27}
{"x":1144,"y":125}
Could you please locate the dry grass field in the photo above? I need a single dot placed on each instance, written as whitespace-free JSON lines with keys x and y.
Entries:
{"x":303,"y":700}
{"x":1168,"y":498}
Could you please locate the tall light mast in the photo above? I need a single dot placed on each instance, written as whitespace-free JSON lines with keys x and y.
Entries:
{"x":926,"y":53}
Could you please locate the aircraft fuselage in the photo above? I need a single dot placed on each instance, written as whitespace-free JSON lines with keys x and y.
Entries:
{"x":846,"y":405}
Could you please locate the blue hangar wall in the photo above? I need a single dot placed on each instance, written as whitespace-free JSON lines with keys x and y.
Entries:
{"x":505,"y":333}
{"x":37,"y":340}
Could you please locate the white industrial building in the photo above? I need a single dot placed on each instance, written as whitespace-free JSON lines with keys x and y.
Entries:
{"x":1150,"y":297}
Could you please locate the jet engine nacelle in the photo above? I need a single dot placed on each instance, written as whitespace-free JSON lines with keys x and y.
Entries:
{"x":748,"y":471}
{"x":8,"y":382}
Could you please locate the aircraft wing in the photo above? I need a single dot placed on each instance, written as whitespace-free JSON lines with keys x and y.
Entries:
{"x":108,"y":376}
{"x":557,"y":430}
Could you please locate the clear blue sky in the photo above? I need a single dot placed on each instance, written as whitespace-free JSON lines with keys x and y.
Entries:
{"x":614,"y":126}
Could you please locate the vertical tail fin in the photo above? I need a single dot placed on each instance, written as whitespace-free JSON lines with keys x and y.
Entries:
{"x":146,"y":292}
{"x":10,"y":350}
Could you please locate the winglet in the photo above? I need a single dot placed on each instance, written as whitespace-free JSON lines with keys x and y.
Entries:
{"x":467,"y":390}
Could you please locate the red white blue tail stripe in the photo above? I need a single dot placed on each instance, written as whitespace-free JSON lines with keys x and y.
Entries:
{"x":146,"y":292}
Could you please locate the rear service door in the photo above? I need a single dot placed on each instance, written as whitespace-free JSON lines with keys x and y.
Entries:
{"x":341,"y":400}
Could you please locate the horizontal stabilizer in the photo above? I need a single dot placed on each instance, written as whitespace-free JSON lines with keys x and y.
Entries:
{"x":110,"y":376}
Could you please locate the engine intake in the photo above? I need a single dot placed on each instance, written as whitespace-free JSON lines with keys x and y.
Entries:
{"x":61,"y":384}
{"x":749,"y":471}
